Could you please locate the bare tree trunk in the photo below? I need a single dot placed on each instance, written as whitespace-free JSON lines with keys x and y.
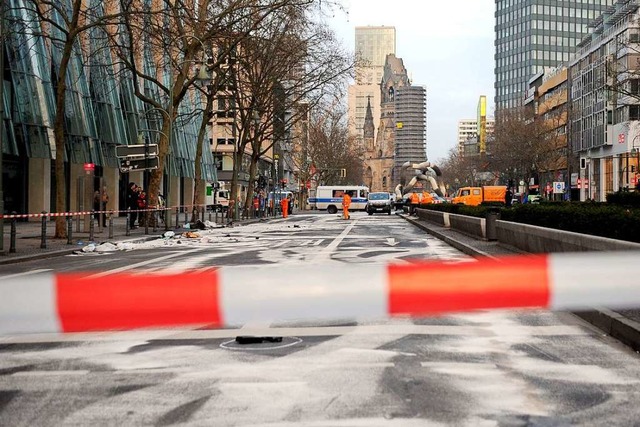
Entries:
{"x":207,"y":116}
{"x":58,"y":133}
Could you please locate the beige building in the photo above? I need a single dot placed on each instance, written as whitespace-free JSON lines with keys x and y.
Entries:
{"x":372,"y":45}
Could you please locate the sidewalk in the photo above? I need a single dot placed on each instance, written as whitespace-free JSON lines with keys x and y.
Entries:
{"x":29,"y":237}
{"x":623,"y":325}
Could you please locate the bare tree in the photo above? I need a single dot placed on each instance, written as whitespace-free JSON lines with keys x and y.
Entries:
{"x":331,"y":148}
{"x":176,"y":38}
{"x":526,"y":144}
{"x":282,"y":72}
{"x":64,"y":25}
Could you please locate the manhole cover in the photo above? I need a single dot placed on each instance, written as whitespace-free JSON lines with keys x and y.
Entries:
{"x":260,"y":346}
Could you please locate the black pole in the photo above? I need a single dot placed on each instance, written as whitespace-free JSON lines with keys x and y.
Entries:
{"x":147,"y":217}
{"x":1,"y":122}
{"x":110,"y":225}
{"x":91,"y":225}
{"x":43,"y":236}
{"x":128,"y":229}
{"x":12,"y":247}
{"x":69,"y":230}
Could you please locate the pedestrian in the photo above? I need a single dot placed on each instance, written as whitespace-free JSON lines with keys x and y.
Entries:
{"x":284,"y":204}
{"x":256,"y":205}
{"x":290,"y":199}
{"x":346,"y":202}
{"x":132,"y":203}
{"x":103,"y":205}
{"x":508,"y":197}
{"x":142,"y":205}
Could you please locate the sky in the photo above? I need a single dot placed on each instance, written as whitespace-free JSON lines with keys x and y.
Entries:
{"x":446,"y":46}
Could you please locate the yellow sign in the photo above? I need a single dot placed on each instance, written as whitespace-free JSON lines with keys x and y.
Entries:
{"x":399,"y":125}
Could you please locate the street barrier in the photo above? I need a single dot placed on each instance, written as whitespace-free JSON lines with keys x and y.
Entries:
{"x":237,"y":295}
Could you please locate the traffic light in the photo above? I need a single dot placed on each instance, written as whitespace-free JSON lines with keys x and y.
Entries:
{"x":343,"y":173}
{"x":583,"y":163}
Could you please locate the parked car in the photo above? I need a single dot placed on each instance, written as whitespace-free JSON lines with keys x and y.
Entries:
{"x":379,"y":202}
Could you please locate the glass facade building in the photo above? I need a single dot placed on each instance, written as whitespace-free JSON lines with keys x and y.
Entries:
{"x":100,"y":113}
{"x":532,"y":35}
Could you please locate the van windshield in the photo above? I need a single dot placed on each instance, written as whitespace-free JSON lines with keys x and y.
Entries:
{"x":378,"y":196}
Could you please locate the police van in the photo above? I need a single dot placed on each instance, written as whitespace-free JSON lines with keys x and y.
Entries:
{"x":329,"y":197}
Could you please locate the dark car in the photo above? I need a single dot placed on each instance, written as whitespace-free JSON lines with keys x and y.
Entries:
{"x":379,"y":202}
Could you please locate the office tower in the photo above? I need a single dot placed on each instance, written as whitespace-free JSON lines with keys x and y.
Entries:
{"x":532,"y":35}
{"x":411,"y":126}
{"x":372,"y":44}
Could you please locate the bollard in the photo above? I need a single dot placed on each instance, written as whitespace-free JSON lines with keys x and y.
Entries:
{"x":177,"y":219}
{"x":209,"y":216}
{"x":43,"y":237}
{"x":186,"y":219}
{"x":12,"y":243}
{"x":165,"y":215}
{"x":490,"y":222}
{"x":91,"y":225}
{"x":156,"y":218}
{"x":69,"y":230}
{"x":147,"y":218}
{"x":203,"y":208}
{"x":127,"y":229}
{"x":110,"y":225}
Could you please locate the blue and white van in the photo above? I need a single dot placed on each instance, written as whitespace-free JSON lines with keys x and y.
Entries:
{"x":329,"y":197}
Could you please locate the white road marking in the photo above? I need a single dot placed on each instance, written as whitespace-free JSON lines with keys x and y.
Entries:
{"x":49,"y":373}
{"x":325,"y":253}
{"x":141,"y":264}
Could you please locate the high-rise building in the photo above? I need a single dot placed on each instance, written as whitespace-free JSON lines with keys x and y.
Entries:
{"x":411,"y":126}
{"x":467,"y":129}
{"x":372,"y":45}
{"x":532,"y":35}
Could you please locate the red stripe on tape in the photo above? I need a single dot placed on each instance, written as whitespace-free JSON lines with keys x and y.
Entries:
{"x":122,"y":301}
{"x":433,"y":288}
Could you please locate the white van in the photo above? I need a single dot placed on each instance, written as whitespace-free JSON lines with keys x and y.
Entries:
{"x":329,"y":197}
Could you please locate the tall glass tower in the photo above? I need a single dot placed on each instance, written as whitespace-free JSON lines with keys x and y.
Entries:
{"x":532,"y":35}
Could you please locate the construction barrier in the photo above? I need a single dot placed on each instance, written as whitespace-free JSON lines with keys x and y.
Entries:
{"x":236,"y":295}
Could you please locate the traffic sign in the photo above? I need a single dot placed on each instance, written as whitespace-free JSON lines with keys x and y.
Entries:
{"x":128,"y":165}
{"x":558,"y":187}
{"x":138,"y":150}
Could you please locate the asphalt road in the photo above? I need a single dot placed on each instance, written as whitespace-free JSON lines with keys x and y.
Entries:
{"x":504,"y":368}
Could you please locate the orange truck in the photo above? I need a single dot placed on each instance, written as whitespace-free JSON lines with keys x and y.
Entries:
{"x":473,"y":196}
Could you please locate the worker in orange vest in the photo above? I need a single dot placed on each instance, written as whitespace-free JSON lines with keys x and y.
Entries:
{"x":346,"y":202}
{"x":284,"y":204}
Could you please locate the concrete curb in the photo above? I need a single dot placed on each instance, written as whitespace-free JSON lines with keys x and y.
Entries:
{"x":615,"y":325}
{"x":469,"y":250}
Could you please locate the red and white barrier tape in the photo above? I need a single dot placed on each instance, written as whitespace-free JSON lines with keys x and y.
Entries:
{"x":237,"y":295}
{"x":113,"y":212}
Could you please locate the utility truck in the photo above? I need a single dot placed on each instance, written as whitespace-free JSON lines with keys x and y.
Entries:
{"x":474,"y":196}
{"x":217,"y":196}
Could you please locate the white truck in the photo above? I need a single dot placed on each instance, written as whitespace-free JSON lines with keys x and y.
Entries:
{"x":217,"y":197}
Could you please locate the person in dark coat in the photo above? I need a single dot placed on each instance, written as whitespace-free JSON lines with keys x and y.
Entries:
{"x":132,"y":203}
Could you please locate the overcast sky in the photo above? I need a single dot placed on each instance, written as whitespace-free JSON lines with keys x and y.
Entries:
{"x":446,"y":46}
